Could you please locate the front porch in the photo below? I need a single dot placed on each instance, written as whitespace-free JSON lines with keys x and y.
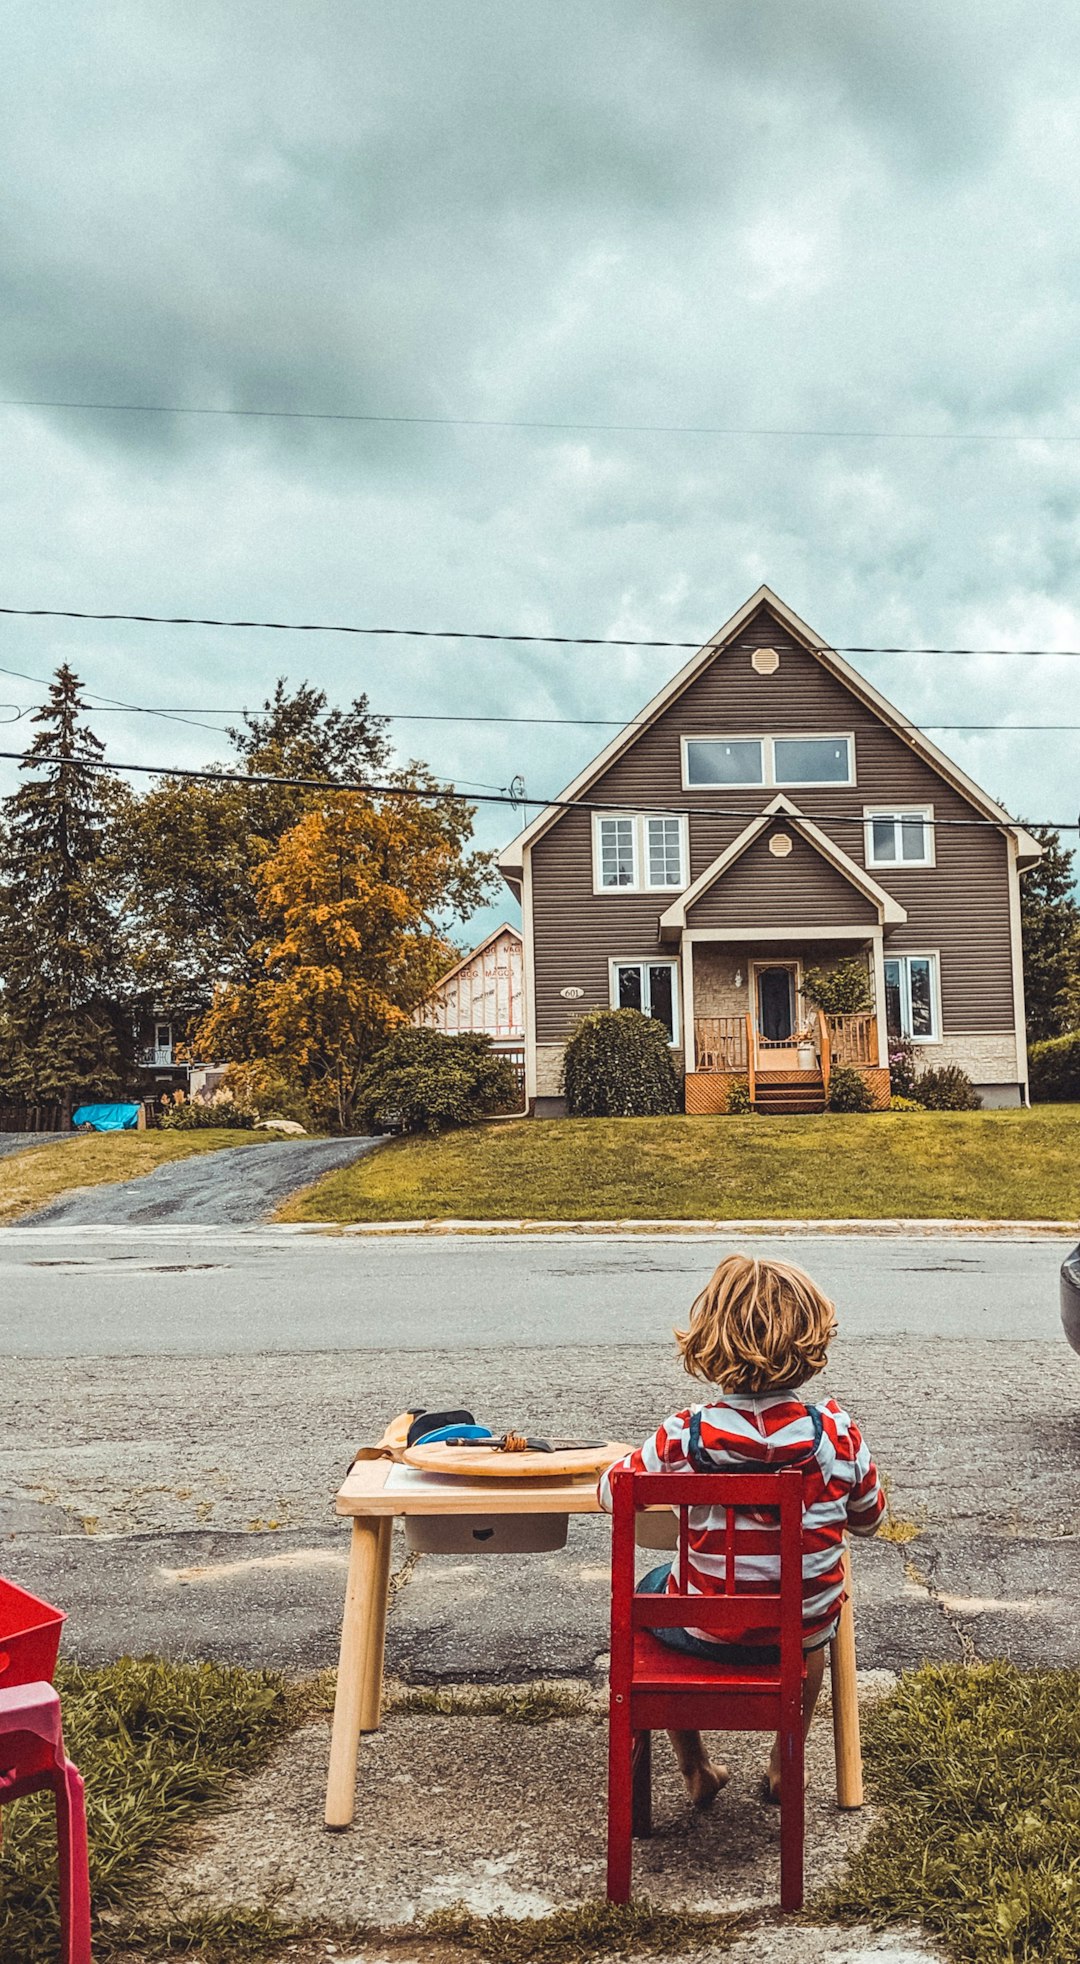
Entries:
{"x":747,"y":1023}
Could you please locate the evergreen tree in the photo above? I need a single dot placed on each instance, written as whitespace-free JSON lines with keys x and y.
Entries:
{"x":62,"y":1029}
{"x":1050,"y":924}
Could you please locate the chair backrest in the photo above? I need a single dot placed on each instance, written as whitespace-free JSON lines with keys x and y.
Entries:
{"x":722,"y":1615}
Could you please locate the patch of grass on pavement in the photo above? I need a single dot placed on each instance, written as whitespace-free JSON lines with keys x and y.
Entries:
{"x":1004,"y":1165}
{"x":156,"y":1744}
{"x":31,"y":1179}
{"x":977,"y":1773}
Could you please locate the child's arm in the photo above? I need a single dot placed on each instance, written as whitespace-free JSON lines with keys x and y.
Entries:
{"x":865,"y":1501}
{"x":664,"y":1451}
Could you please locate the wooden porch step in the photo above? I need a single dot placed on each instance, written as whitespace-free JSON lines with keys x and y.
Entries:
{"x":789,"y":1093}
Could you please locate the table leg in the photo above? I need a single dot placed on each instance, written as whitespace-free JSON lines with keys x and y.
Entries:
{"x":359,"y":1679}
{"x":845,"y":1704}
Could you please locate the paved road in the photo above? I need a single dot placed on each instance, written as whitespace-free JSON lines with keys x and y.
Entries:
{"x":175,"y":1432}
{"x":20,"y":1141}
{"x":227,"y":1188}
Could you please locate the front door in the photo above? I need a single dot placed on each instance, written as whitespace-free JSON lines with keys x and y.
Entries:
{"x":775,"y":993}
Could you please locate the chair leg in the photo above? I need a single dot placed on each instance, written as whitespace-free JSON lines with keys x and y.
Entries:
{"x":641,"y":1785}
{"x":792,"y":1812}
{"x":73,"y":1866}
{"x":620,"y":1803}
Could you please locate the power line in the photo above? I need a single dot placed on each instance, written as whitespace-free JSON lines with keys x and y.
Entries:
{"x":353,"y":788}
{"x":476,"y":634}
{"x":544,"y":423}
{"x":114,"y":706}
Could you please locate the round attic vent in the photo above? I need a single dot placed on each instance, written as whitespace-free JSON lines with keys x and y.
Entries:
{"x":765,"y":661}
{"x":780,"y":845}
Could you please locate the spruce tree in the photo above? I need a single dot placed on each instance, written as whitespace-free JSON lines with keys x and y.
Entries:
{"x":1050,"y":924}
{"x":62,"y":1027}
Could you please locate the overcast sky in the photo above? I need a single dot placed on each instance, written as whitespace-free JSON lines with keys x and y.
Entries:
{"x":826,"y":216}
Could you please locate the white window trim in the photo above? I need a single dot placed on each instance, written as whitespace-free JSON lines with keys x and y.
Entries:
{"x":933,"y":956}
{"x":896,"y":812}
{"x":639,"y":883}
{"x":769,"y":780}
{"x":615,"y":962}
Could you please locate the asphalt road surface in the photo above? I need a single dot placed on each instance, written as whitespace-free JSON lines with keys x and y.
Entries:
{"x":218,"y":1189}
{"x":180,"y":1407}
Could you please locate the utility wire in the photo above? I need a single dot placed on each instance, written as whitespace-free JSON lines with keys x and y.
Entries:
{"x":474,"y":634}
{"x":503,"y":797}
{"x":542,"y":423}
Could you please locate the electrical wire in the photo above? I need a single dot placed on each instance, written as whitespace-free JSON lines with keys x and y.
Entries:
{"x":476,"y":634}
{"x":501,"y":797}
{"x":543,"y":423}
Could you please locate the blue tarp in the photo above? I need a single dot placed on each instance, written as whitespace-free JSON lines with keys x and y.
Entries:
{"x":107,"y":1118}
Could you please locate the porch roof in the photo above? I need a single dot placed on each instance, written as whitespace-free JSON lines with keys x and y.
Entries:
{"x":888,"y":912}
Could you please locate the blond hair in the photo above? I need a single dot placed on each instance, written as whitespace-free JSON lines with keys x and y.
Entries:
{"x":757,"y":1326}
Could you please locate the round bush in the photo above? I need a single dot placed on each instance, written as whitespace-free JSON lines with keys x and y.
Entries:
{"x":618,"y":1064}
{"x":1054,"y":1068}
{"x":425,"y":1081}
{"x":849,"y":1091}
{"x":946,"y":1088}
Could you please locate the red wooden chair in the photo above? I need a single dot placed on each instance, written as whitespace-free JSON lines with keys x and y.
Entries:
{"x":654,"y":1688}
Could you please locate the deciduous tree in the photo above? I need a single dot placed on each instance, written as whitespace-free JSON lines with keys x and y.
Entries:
{"x":351,"y":901}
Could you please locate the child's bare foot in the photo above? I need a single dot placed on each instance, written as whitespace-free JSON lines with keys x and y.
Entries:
{"x":770,"y":1786}
{"x":704,"y":1781}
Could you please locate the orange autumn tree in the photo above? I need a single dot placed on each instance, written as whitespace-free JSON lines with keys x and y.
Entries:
{"x":352,"y":897}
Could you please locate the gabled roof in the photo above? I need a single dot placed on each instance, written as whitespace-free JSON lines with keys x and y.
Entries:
{"x":510,"y":859}
{"x":505,"y":927}
{"x":890,"y":912}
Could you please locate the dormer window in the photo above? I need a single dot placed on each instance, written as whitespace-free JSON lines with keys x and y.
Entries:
{"x":721,"y":763}
{"x":639,"y":852}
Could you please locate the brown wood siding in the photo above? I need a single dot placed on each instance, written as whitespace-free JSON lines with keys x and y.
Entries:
{"x":959,"y":907}
{"x":762,"y":891}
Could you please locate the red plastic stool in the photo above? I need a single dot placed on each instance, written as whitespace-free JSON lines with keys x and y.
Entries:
{"x":32,"y":1757}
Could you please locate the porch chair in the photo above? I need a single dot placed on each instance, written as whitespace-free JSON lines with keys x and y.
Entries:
{"x":654,"y":1688}
{"x":32,"y":1757}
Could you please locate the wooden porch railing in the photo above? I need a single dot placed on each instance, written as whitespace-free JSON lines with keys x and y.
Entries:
{"x":853,"y":1039}
{"x":722,"y":1042}
{"x":824,"y":1050}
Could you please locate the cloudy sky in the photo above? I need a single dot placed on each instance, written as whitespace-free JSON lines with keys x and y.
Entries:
{"x":848,"y":220}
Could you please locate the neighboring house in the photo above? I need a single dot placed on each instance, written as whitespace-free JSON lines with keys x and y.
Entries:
{"x":770,"y":812}
{"x":483,"y":991}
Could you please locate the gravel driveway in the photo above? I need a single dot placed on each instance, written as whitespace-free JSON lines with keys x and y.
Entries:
{"x":234,"y":1187}
{"x":19,"y":1141}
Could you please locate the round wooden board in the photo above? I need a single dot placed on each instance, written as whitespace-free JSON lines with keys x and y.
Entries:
{"x":480,"y":1462}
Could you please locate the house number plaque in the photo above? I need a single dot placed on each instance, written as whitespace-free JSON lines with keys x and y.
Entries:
{"x":572,"y":995}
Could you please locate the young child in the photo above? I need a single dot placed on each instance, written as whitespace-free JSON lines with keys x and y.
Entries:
{"x":759,"y":1332}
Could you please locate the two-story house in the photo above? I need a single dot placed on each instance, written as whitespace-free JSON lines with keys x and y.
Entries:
{"x":769,"y":812}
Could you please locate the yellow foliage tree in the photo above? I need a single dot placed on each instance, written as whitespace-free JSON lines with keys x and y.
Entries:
{"x":351,"y":896}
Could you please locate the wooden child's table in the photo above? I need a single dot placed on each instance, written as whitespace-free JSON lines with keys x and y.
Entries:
{"x":377,"y":1490}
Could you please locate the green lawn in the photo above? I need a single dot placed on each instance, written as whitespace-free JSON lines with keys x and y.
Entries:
{"x":994,"y":1165}
{"x":31,"y":1179}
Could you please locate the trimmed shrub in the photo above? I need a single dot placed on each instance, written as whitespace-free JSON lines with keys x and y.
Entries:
{"x":841,"y":991}
{"x":426,"y":1081}
{"x":1054,"y":1069}
{"x":898,"y":1104}
{"x":902,"y":1067}
{"x":264,"y":1089}
{"x":946,"y":1088}
{"x":187,"y":1117}
{"x":618,"y":1064}
{"x":849,"y":1091}
{"x":738,"y":1098}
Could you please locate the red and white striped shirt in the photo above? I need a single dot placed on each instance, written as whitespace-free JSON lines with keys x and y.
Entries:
{"x":744,"y":1433}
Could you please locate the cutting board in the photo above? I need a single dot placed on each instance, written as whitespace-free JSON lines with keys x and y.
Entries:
{"x":479,"y":1462}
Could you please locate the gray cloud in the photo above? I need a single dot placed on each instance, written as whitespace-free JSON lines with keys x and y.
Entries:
{"x":829,"y":216}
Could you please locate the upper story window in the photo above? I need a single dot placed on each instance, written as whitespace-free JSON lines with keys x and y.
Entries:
{"x":718,"y":762}
{"x":639,"y":852}
{"x":900,"y":837}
